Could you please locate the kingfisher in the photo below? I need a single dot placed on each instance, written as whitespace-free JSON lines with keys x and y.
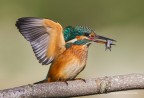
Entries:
{"x":65,"y":49}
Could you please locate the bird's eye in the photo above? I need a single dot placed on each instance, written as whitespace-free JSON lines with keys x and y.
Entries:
{"x":92,"y":35}
{"x":86,"y":34}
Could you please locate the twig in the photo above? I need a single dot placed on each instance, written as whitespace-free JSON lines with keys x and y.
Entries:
{"x":77,"y":88}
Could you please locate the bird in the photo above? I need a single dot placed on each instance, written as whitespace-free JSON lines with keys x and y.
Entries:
{"x":65,"y":49}
{"x":71,"y":62}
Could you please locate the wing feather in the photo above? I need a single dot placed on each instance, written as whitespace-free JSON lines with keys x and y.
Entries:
{"x":43,"y":35}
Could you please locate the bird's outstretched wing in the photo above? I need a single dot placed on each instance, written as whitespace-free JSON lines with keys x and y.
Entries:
{"x":45,"y":36}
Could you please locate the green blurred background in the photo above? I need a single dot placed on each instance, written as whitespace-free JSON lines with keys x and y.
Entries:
{"x":122,"y":20}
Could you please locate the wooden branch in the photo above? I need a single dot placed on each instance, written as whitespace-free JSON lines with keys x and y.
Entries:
{"x":77,"y":88}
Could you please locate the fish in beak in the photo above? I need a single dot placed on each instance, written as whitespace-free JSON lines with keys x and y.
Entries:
{"x":104,"y":40}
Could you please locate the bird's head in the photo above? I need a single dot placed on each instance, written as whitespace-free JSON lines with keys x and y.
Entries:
{"x":85,"y":35}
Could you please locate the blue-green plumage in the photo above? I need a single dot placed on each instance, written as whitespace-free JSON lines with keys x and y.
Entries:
{"x":81,"y":42}
{"x":71,"y":32}
{"x":68,"y":45}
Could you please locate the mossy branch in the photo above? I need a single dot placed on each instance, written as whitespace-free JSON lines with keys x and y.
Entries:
{"x":77,"y":88}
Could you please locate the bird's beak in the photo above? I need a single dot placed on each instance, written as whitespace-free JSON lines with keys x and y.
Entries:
{"x":104,"y":40}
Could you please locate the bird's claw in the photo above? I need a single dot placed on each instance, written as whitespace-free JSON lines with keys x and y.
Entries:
{"x":66,"y":83}
{"x":81,"y":79}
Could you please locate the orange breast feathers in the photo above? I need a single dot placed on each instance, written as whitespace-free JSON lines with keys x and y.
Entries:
{"x":73,"y":58}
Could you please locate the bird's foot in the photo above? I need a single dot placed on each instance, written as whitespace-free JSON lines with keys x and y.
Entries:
{"x":81,"y":79}
{"x":66,"y":83}
{"x":75,"y":79}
